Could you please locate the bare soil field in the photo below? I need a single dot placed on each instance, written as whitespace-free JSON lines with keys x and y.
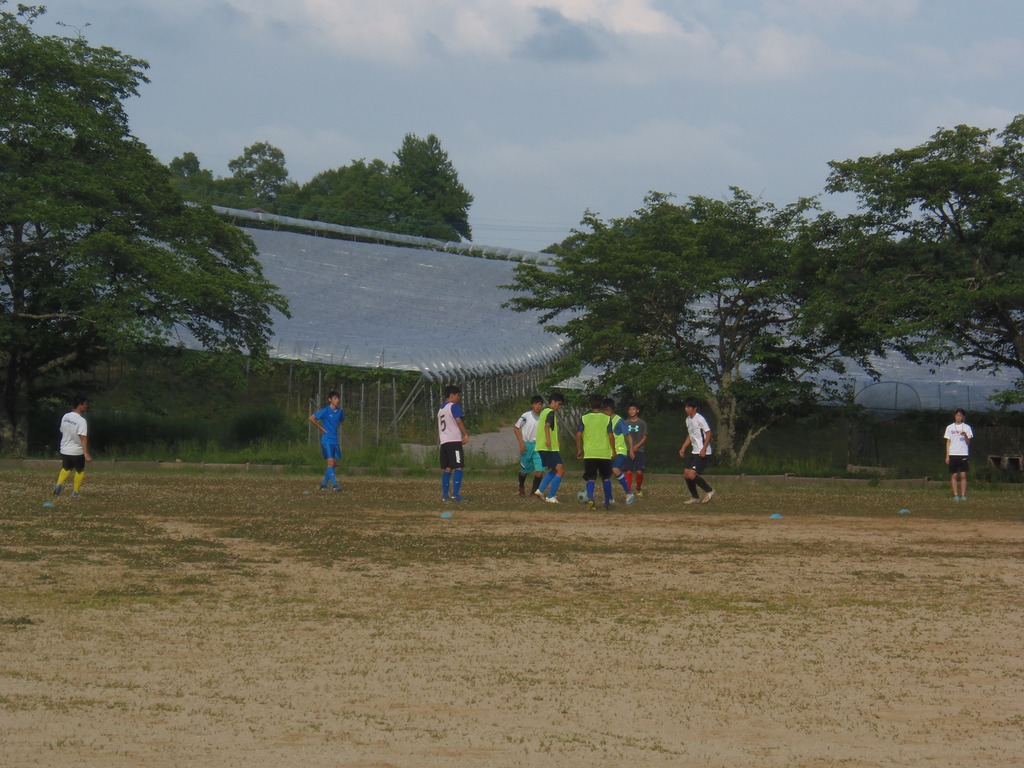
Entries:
{"x":240,"y":619}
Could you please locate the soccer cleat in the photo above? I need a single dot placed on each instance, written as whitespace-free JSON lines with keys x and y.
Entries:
{"x":607,"y":505}
{"x":692,"y":500}
{"x":708,"y":497}
{"x":522,"y":491}
{"x":323,"y":487}
{"x":630,"y":498}
{"x":590,"y":504}
{"x":639,"y":494}
{"x":74,"y":495}
{"x":458,"y":499}
{"x":445,"y":499}
{"x":551,"y":499}
{"x":539,"y":494}
{"x":57,"y":489}
{"x":337,"y":489}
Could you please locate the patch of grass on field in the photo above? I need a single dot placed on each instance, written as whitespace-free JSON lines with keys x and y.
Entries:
{"x":163,"y":536}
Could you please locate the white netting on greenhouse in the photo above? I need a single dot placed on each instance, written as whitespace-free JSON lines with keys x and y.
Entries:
{"x":436,"y":309}
{"x":378,"y":305}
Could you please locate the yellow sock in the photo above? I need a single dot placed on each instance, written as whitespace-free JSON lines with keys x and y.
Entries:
{"x":79,"y":478}
{"x":63,"y":476}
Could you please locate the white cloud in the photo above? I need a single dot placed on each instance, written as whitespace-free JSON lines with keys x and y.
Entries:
{"x":399,"y":30}
{"x":840,"y":11}
{"x":772,"y":53}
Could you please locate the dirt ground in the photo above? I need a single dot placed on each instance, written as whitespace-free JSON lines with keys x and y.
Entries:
{"x":675,"y":637}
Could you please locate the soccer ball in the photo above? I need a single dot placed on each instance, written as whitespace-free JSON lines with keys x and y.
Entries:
{"x":581,"y":497}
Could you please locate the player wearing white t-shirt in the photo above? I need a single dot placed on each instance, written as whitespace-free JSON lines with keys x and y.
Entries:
{"x":958,"y":446}
{"x":698,"y":437}
{"x":74,"y":446}
{"x":525,"y":429}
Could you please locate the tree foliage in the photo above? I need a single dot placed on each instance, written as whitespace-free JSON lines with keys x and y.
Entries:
{"x":97,"y":250}
{"x":932,"y":263}
{"x":261,"y":169}
{"x":419,"y":194}
{"x":699,"y":298}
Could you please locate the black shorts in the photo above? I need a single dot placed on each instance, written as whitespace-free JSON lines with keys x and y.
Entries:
{"x":696,"y":463}
{"x":594,"y":467}
{"x":636,"y":464}
{"x":76,"y":463}
{"x":957,"y":464}
{"x":452,"y":456}
{"x":551,"y":460}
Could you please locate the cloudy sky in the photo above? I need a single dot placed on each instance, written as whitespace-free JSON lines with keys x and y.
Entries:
{"x":548,"y":108}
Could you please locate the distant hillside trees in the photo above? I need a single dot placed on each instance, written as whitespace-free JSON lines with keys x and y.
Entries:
{"x":98,"y":251}
{"x":702,"y":298}
{"x":931,"y":265}
{"x":744,"y":304}
{"x":418,"y":194}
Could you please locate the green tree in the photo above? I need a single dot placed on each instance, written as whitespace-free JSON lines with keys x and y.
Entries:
{"x":98,"y":252}
{"x":356,"y":195}
{"x":192,"y":180}
{"x":428,"y":198}
{"x":932,"y":263}
{"x":699,"y":298}
{"x":261,"y":167}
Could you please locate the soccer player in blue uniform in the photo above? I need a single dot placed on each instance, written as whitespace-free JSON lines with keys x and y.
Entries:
{"x":328,"y":419}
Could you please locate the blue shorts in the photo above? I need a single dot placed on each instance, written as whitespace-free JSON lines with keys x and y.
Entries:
{"x":551,"y":459}
{"x":331,"y":450}
{"x":619,"y":461}
{"x":529,"y":460}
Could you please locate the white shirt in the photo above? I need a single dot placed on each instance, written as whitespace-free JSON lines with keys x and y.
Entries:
{"x":447,"y":428}
{"x":527,"y":426}
{"x":697,"y":426}
{"x":956,"y":434}
{"x":72,"y":427}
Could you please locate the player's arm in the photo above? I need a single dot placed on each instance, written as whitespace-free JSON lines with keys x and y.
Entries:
{"x":316,"y":423}
{"x":686,"y":442}
{"x":462,"y":429}
{"x":519,"y":436}
{"x":85,"y":446}
{"x":579,"y":442}
{"x":948,"y":441}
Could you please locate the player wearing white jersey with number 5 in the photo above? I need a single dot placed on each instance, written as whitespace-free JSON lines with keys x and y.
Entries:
{"x":452,"y":435}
